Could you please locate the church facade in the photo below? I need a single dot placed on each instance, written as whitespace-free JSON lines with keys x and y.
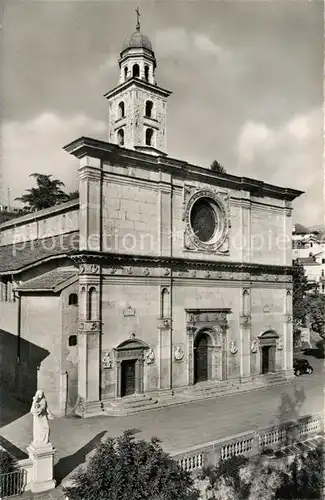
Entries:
{"x":166,"y":281}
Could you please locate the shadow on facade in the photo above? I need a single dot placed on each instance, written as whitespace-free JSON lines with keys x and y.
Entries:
{"x":19,"y":361}
{"x":68,"y":464}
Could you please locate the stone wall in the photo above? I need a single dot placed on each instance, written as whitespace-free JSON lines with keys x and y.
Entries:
{"x":69,"y":353}
{"x":144,"y":213}
{"x":42,"y":224}
{"x":41,"y":330}
{"x":132,"y":306}
{"x":130,"y":222}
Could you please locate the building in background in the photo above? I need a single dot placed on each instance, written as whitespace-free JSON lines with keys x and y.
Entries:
{"x":308,"y":247}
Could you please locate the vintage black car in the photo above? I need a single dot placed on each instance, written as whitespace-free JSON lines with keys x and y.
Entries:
{"x":301,"y":366}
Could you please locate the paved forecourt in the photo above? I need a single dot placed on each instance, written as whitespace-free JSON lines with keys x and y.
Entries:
{"x":180,"y":427}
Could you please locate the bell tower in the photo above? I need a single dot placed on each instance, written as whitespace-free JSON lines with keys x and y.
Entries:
{"x":138,"y":106}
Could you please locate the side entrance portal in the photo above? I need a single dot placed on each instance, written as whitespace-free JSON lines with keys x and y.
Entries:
{"x":128,"y":377}
{"x":268,"y":351}
{"x":201,"y":358}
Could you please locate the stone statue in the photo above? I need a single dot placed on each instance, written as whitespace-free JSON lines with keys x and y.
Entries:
{"x":41,"y":416}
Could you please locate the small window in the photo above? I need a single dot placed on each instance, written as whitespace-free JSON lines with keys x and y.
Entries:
{"x":73,"y":299}
{"x":136,"y":71}
{"x":149,"y":106}
{"x":149,"y":136}
{"x":72,"y":340}
{"x":146,"y":73}
{"x":121,"y":110}
{"x":323,"y":261}
{"x":125,"y":72}
{"x":322,"y":272}
{"x":120,"y":137}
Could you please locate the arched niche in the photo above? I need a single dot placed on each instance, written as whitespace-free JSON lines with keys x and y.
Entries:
{"x":83,"y":303}
{"x":164,"y":303}
{"x":92,"y":309}
{"x":246,"y":303}
{"x":288,"y":302}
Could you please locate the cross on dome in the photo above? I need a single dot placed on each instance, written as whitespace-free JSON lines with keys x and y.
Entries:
{"x":137,"y":27}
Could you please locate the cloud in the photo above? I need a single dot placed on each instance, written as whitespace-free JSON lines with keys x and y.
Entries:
{"x":290,"y":156}
{"x":175,"y":40}
{"x":36,"y":146}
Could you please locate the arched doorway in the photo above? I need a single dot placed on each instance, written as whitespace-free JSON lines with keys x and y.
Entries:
{"x":267,"y":343}
{"x":129,"y":364}
{"x":201,"y":358}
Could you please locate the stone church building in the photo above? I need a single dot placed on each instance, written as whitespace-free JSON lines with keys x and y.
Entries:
{"x":164,"y":282}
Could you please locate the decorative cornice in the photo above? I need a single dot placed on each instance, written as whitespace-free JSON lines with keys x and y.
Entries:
{"x":136,"y":82}
{"x":179,"y":267}
{"x":84,"y":146}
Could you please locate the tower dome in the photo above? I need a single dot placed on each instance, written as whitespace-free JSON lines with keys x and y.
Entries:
{"x":137,"y":41}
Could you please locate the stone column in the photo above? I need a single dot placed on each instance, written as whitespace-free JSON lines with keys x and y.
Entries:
{"x":42,"y":457}
{"x":89,"y":341}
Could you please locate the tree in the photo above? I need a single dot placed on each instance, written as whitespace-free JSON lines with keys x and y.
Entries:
{"x":315,"y":306}
{"x":217,"y":167}
{"x":73,"y":195}
{"x":125,"y":469}
{"x":47,"y":193}
{"x":305,"y":477}
{"x":300,"y":285}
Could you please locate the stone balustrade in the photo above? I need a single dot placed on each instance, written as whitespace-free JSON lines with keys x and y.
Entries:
{"x":250,"y":443}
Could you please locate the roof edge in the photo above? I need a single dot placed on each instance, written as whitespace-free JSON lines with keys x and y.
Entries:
{"x":39,"y":214}
{"x":84,"y":146}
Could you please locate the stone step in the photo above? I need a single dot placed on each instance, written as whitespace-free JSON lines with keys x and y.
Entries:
{"x":130,"y":405}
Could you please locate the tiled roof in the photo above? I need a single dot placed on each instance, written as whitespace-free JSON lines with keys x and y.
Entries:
{"x":48,"y":281}
{"x":22,"y":254}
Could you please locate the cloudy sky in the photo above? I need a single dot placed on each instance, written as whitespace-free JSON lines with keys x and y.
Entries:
{"x":246,"y":76}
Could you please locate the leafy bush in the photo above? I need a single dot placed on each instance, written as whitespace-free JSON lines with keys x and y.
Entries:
{"x":125,"y":469}
{"x":8,"y":486}
{"x":7,"y":462}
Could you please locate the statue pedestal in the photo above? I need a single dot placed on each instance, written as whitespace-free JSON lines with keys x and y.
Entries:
{"x":42,"y":456}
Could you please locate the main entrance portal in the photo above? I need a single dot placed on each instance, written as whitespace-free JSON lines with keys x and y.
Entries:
{"x":128,"y":377}
{"x":201,"y":358}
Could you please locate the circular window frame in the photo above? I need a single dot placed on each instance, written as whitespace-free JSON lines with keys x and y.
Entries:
{"x":221,"y":229}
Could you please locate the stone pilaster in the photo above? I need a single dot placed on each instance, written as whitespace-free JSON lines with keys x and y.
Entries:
{"x":164,"y":359}
{"x":245,"y":334}
{"x":89,"y":340}
{"x":90,"y":211}
{"x":164,"y":325}
{"x":288,"y":344}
